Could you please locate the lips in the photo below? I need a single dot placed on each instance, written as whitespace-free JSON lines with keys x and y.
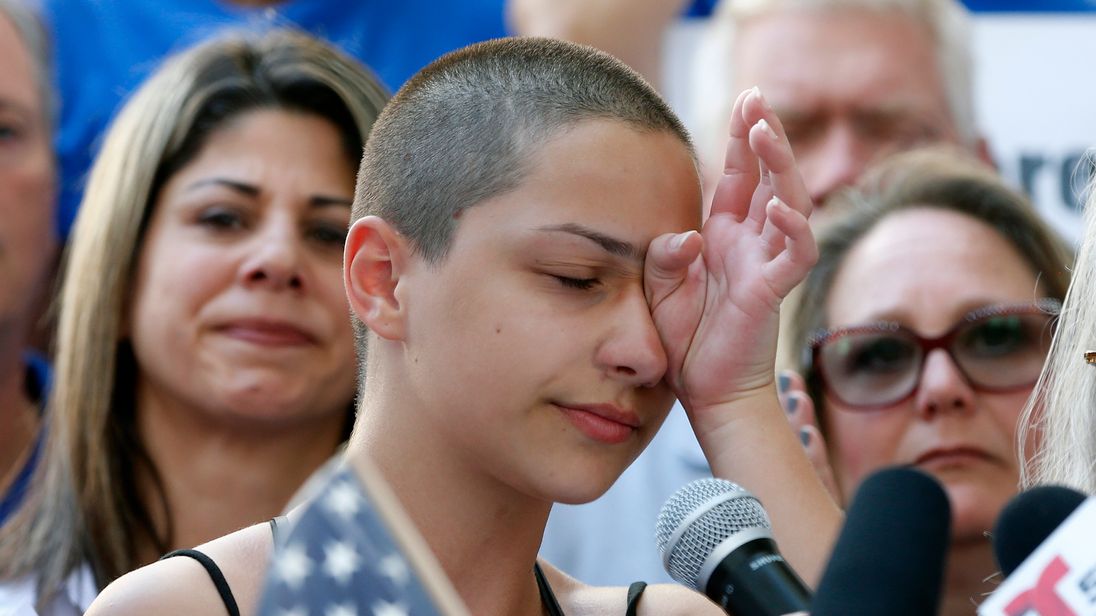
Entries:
{"x":266,"y":332}
{"x":604,"y":423}
{"x":944,"y":457}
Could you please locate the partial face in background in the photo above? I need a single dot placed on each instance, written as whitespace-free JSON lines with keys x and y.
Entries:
{"x":238,"y":308}
{"x":532,"y":348}
{"x":849,"y":85}
{"x":27,"y":239}
{"x":925,"y":269}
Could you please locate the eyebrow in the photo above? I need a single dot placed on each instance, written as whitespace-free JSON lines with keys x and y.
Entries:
{"x":251,"y":190}
{"x":8,"y":104}
{"x":612,"y":245}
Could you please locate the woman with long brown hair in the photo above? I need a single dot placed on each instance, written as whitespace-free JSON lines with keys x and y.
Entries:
{"x":205,"y":364}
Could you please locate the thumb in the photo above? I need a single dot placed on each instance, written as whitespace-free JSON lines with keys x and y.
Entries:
{"x":668,"y":259}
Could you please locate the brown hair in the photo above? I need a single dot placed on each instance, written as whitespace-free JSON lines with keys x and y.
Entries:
{"x":84,"y":506}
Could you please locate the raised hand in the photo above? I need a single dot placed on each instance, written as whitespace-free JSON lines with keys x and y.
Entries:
{"x":715,"y":296}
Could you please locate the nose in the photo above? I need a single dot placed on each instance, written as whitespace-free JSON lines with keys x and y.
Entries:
{"x":943,"y":387}
{"x":834,"y":161}
{"x":632,"y":351}
{"x":274,"y":260}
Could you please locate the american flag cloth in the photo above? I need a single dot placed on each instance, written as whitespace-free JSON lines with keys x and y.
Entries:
{"x":340,"y":559}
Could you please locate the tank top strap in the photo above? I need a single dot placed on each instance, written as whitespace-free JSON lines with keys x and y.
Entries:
{"x":635,"y":591}
{"x":215,"y":574}
{"x":547,"y":597}
{"x":274,"y":523}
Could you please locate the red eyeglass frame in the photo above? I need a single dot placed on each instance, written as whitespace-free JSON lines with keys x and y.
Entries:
{"x":817,"y":381}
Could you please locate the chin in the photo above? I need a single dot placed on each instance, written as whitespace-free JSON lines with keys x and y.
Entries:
{"x":572,"y":492}
{"x":974,"y":509}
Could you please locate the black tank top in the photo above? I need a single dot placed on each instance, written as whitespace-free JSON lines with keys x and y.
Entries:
{"x":547,"y":597}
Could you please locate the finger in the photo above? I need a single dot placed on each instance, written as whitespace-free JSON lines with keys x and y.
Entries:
{"x":763,"y":189}
{"x":814,"y":445}
{"x":788,"y":268}
{"x":799,"y":410}
{"x":788,"y":381}
{"x":740,"y":168}
{"x":667,"y":265}
{"x":776,"y":153}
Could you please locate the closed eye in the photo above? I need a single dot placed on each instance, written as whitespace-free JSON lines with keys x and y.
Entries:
{"x":582,"y":284}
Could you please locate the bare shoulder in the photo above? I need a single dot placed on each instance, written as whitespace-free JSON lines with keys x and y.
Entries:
{"x":672,"y":600}
{"x":181,"y":585}
{"x":658,"y":599}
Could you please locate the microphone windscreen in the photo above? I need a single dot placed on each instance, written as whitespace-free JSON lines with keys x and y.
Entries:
{"x":1027,"y":520}
{"x":889,"y":558}
{"x":697,"y":518}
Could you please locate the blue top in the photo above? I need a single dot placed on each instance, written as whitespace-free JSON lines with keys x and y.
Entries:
{"x":37,"y":384}
{"x":105,"y":48}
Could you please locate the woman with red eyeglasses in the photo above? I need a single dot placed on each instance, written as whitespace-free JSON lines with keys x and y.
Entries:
{"x":924,"y":327}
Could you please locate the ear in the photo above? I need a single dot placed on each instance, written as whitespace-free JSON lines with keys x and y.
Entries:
{"x":375,"y":256}
{"x":984,"y":153}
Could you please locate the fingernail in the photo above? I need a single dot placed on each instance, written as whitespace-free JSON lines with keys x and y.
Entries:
{"x":764,"y":124}
{"x":805,"y":436}
{"x":680,"y":239}
{"x":761,"y":97}
{"x":783,"y":382}
{"x":791,"y":404}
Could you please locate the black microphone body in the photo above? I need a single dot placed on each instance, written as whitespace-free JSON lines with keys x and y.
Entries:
{"x":754,"y":579}
{"x":1027,"y":520}
{"x":889,"y":558}
{"x":716,"y":538}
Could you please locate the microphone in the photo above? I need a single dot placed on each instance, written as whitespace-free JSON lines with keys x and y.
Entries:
{"x":715,"y":537}
{"x":1027,"y":520}
{"x":1045,"y":541}
{"x":889,"y":557}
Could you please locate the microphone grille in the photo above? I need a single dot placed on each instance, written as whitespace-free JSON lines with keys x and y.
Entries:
{"x":697,"y":518}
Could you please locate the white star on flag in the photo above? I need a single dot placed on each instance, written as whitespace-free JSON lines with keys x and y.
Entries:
{"x":384,"y":608}
{"x":341,"y":609}
{"x":395,"y":568}
{"x":341,"y":561}
{"x":294,"y":566}
{"x":343,"y":501}
{"x":296,"y":611}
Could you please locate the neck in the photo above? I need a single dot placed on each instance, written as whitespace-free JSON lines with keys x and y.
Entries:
{"x":18,"y":414}
{"x":485,"y":537}
{"x":217,"y":478}
{"x":967,"y":581}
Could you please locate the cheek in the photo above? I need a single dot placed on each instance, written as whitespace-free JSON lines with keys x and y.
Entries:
{"x":27,"y":207}
{"x":1005,"y":411}
{"x":173,"y":281}
{"x":331,"y":294}
{"x":860,"y":443}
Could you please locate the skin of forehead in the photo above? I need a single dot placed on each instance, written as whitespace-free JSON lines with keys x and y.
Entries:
{"x":841,"y":56}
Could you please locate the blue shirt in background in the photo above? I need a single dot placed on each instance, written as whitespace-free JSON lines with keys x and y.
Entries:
{"x":104,"y":49}
{"x":37,"y":384}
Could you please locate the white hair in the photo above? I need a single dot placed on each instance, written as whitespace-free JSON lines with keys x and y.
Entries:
{"x":946,"y":20}
{"x":1060,"y":418}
